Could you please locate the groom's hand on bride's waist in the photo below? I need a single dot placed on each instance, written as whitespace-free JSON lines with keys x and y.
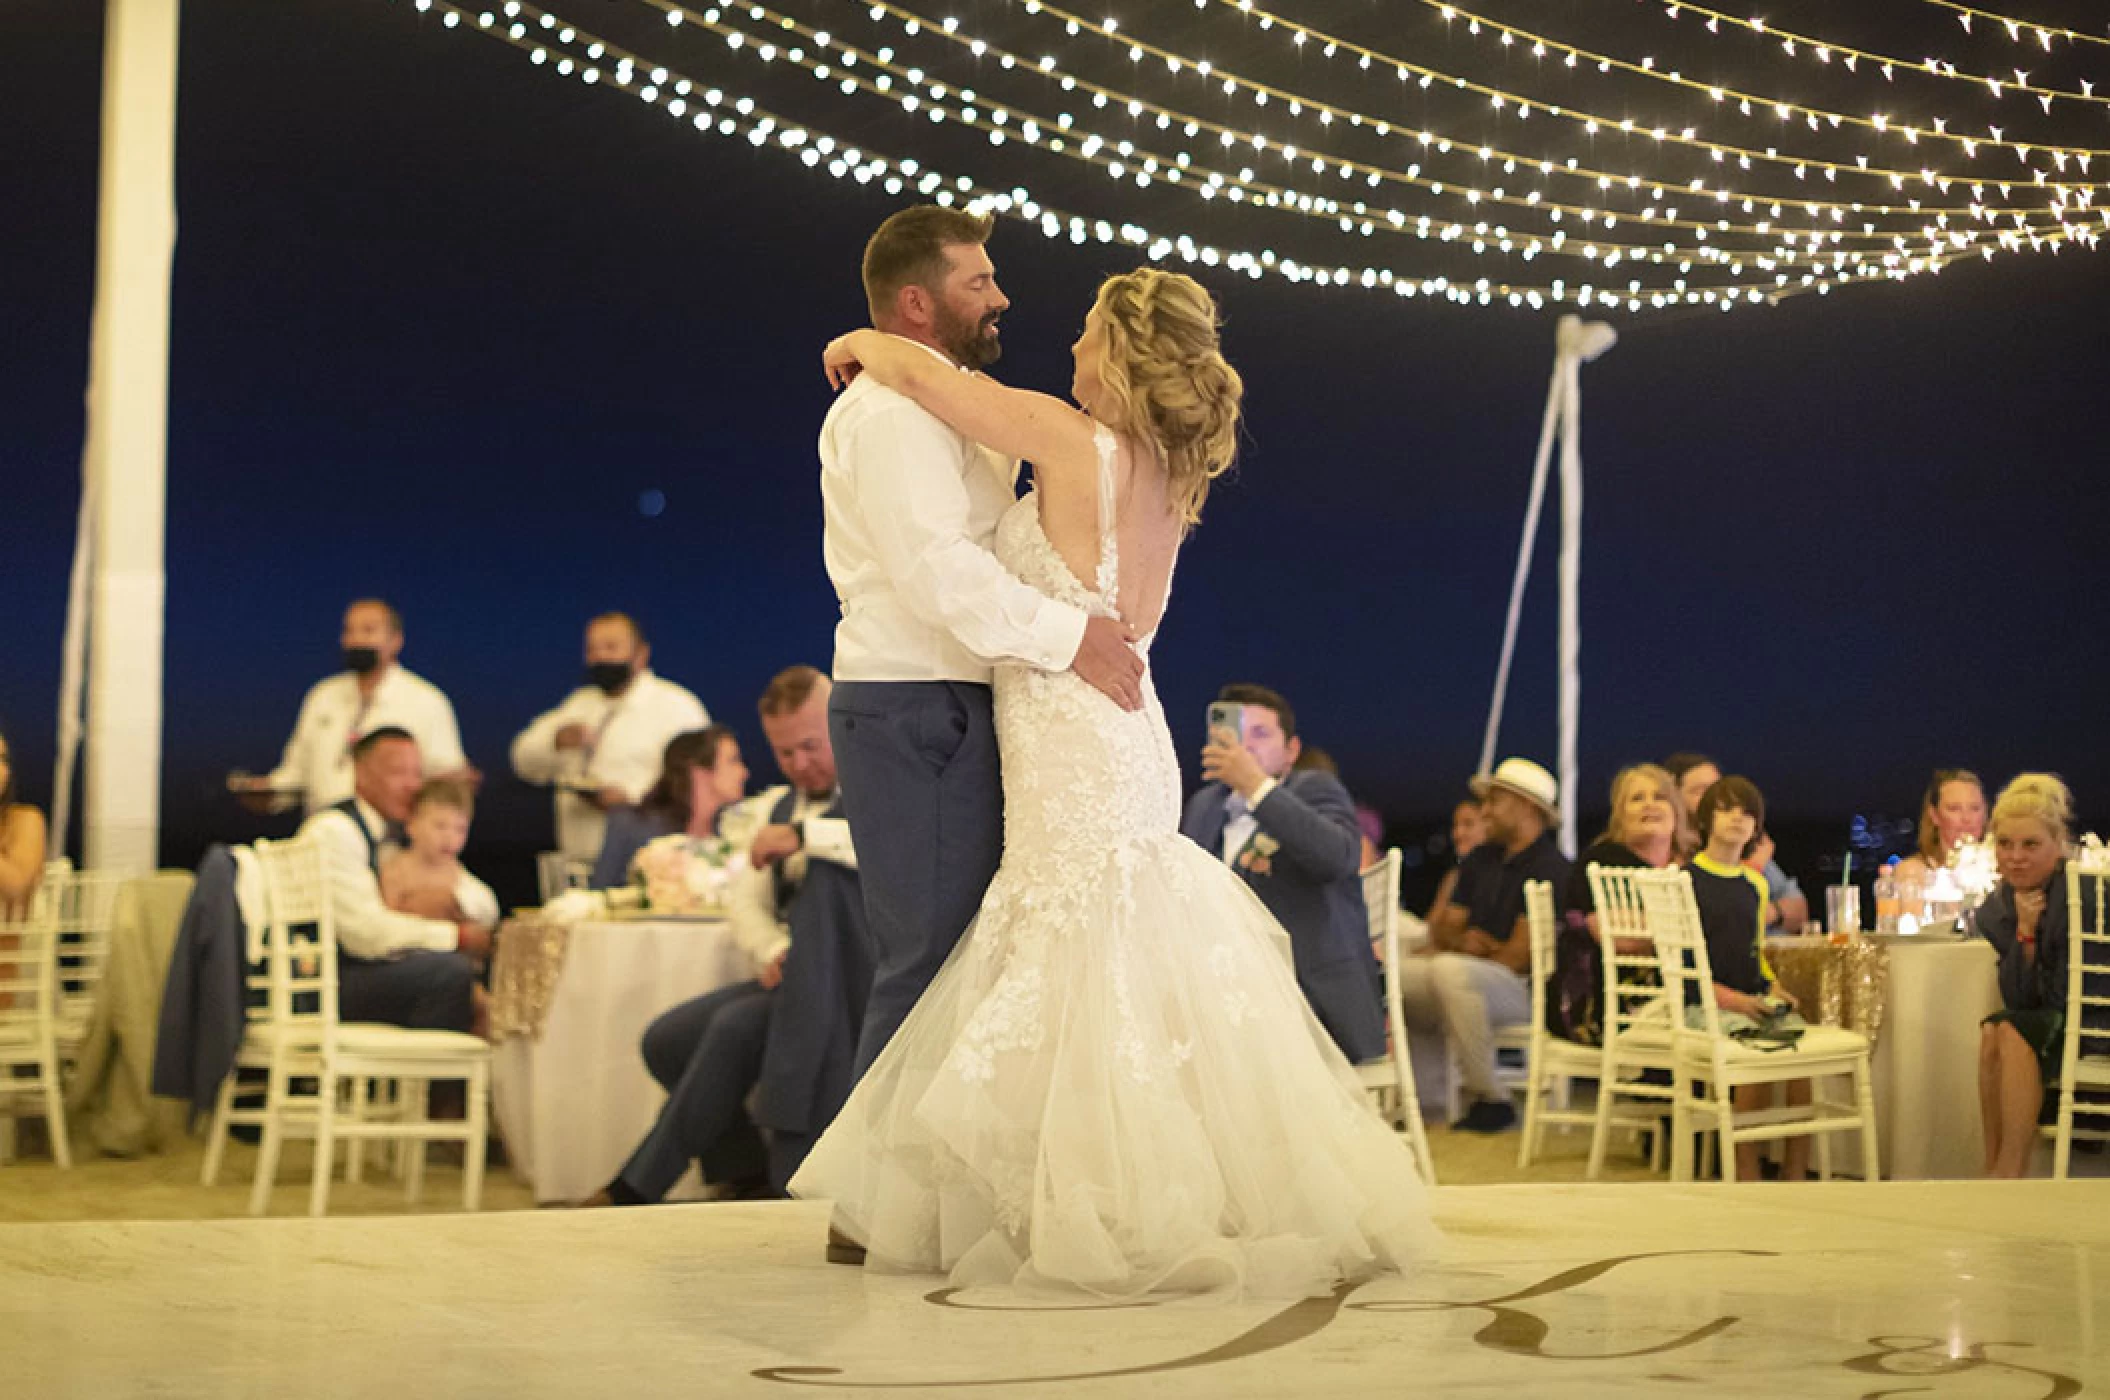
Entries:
{"x":1106,"y":660}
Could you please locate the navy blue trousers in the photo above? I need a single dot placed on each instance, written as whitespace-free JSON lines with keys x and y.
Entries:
{"x":707,"y":1054}
{"x":427,"y":991}
{"x":924,"y":795}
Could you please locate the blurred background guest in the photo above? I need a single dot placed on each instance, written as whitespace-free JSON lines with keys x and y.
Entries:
{"x":1476,"y":977}
{"x":401,"y":969}
{"x":1788,"y":911}
{"x":1694,"y":773}
{"x":602,"y":747}
{"x":701,"y":775}
{"x":1642,"y":832}
{"x":371,"y":692}
{"x":1953,"y":810}
{"x":21,"y":843}
{"x":2027,"y":921}
{"x":1468,"y":830}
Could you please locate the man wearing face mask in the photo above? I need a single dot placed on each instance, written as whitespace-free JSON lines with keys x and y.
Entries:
{"x":371,"y":692}
{"x":601,"y":748}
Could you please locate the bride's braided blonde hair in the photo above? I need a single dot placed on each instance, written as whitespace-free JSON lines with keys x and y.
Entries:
{"x":1164,"y":378}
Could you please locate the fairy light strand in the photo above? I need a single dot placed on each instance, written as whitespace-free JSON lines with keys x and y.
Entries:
{"x":723,"y":114}
{"x":1860,"y":167}
{"x":1750,"y":102}
{"x":2016,"y":26}
{"x":1301,"y":105}
{"x":1798,"y":45}
{"x":1480,"y":238}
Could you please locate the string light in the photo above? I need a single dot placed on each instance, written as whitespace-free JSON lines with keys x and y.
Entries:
{"x":2044,"y":33}
{"x":1748,"y":102}
{"x":1479,"y":238}
{"x":1825,"y":50}
{"x":1608,"y":182}
{"x":1816,"y":119}
{"x":717,"y":111}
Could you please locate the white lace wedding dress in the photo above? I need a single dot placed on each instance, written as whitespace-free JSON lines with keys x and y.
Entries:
{"x":1114,"y":1084}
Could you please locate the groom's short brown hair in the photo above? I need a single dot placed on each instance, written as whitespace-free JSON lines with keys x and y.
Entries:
{"x":909,"y":250}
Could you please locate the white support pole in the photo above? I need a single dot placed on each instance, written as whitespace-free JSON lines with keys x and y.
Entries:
{"x":1570,"y":591}
{"x":1579,"y":343}
{"x":128,"y":433}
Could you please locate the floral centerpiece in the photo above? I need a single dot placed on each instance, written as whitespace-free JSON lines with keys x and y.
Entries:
{"x":681,"y":874}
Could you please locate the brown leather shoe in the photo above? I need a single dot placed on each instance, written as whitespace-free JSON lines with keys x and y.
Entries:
{"x":844,"y":1250}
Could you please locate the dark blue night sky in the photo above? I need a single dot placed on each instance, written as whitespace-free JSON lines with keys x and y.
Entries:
{"x":441,"y":319}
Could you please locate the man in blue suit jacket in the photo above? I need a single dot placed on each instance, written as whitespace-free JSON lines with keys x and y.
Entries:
{"x":1292,"y":836}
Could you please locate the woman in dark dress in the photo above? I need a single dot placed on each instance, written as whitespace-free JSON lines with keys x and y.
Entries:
{"x":1643,"y":832}
{"x":2027,"y":921}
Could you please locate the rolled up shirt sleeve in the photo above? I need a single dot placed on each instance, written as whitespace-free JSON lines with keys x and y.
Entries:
{"x":828,"y":838}
{"x":918,"y":527}
{"x":479,"y":905}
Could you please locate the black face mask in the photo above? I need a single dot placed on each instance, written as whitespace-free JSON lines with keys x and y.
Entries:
{"x":360,"y":660}
{"x":609,"y":676}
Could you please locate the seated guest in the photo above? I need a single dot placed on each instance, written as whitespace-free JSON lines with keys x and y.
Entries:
{"x":701,"y":777}
{"x":1642,"y":833}
{"x":371,"y":693}
{"x":1291,"y":833}
{"x":1952,"y":811}
{"x":1731,"y":897}
{"x":2027,"y":921}
{"x":21,"y":844}
{"x":1468,"y":830}
{"x":1789,"y":908}
{"x":601,"y":748}
{"x":710,"y":1053}
{"x":403,"y":969}
{"x":1475,"y":975}
{"x":425,"y":876}
{"x":1694,"y":773}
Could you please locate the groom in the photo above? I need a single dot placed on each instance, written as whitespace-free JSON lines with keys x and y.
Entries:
{"x":911,"y":507}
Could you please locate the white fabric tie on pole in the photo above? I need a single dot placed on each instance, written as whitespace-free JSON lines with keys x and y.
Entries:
{"x":1576,"y":342}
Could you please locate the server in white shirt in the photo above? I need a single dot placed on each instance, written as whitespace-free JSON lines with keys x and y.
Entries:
{"x":709,"y":1052}
{"x":911,"y":508}
{"x":601,"y":748}
{"x":394,"y":967}
{"x":371,"y":692}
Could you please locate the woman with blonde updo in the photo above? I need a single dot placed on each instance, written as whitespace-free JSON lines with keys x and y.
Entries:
{"x":2026,"y":920}
{"x":1114,"y":1084}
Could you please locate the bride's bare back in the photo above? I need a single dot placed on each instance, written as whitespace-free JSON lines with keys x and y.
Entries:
{"x":1147,"y":529}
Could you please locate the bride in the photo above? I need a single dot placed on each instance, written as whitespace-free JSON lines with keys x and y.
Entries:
{"x":1114,"y":1084}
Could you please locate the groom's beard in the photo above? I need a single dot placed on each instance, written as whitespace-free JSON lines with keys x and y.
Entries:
{"x":974,"y":344}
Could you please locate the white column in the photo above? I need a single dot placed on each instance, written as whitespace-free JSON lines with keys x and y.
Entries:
{"x":128,"y":433}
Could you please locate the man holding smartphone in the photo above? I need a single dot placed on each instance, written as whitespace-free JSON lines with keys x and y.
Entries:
{"x":1292,"y":836}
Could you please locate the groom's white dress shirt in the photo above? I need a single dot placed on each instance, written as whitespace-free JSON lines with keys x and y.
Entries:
{"x":334,"y":715}
{"x":627,"y":739}
{"x":911,"y":508}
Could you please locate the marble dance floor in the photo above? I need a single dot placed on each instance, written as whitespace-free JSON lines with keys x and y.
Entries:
{"x":1977,"y":1291}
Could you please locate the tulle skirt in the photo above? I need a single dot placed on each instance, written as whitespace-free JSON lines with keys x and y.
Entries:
{"x":1114,"y":1086}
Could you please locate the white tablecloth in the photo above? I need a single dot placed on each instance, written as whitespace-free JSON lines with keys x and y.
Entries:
{"x":1924,"y":1072}
{"x":1926,"y":1061}
{"x":575,"y":1101}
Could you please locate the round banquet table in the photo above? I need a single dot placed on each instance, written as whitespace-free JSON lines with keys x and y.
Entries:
{"x":1922,"y":998}
{"x":569,"y":1006}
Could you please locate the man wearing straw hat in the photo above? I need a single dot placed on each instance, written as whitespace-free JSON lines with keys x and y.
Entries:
{"x":1477,"y":976}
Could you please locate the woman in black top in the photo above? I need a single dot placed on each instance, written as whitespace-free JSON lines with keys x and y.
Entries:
{"x":1642,"y":832}
{"x":2026,"y":920}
